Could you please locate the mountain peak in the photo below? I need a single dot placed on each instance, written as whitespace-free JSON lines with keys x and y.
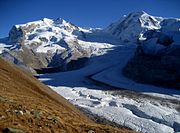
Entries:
{"x":139,"y":13}
{"x":135,"y":23}
{"x":60,"y":21}
{"x":47,"y":21}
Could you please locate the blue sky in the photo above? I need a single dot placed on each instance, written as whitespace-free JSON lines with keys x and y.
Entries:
{"x":85,"y":13}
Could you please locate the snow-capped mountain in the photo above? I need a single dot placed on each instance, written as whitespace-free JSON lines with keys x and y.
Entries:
{"x":45,"y":30}
{"x":156,"y":60}
{"x":49,"y":43}
{"x":131,"y":28}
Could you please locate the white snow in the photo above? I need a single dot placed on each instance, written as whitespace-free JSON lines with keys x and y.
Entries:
{"x":44,"y":48}
{"x":4,"y":47}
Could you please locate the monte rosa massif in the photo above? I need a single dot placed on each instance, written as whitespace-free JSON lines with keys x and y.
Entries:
{"x":127,"y":73}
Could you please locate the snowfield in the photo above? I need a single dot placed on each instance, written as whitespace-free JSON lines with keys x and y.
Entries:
{"x":144,"y":108}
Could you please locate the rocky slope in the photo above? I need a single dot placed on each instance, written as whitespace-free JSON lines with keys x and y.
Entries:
{"x":26,"y":105}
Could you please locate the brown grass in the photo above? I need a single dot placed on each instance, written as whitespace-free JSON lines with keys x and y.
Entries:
{"x":29,"y":105}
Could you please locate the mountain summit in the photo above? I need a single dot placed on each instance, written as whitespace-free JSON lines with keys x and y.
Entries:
{"x":49,"y":43}
{"x":133,"y":26}
{"x":40,"y":29}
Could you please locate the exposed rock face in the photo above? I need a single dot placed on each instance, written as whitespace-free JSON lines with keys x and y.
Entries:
{"x":16,"y":34}
{"x":12,"y":130}
{"x":156,"y":61}
{"x":162,"y":38}
{"x":158,"y":70}
{"x":155,"y":42}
